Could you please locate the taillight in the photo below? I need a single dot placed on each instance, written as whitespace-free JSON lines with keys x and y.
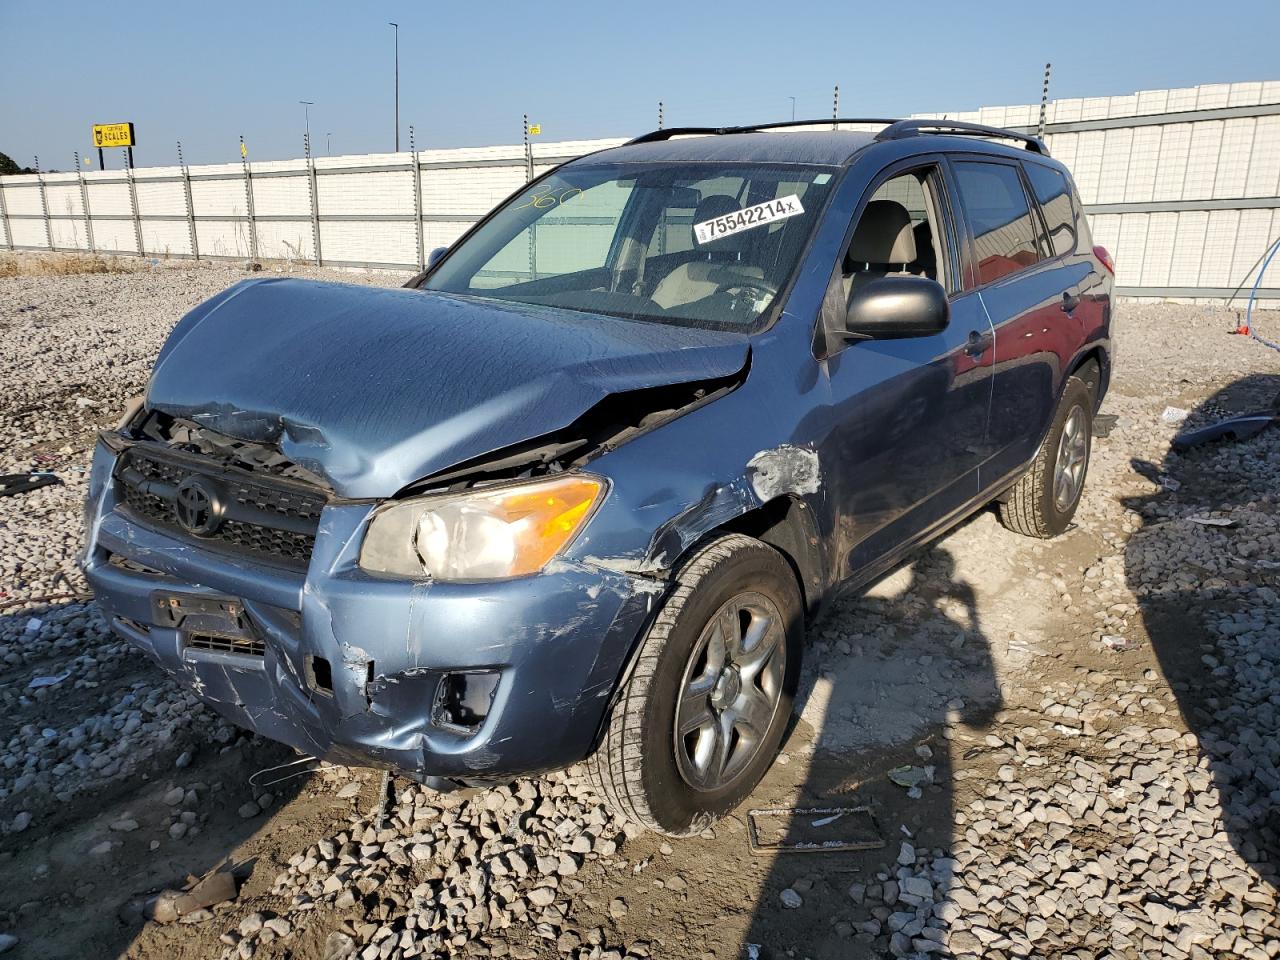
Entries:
{"x":1105,"y":259}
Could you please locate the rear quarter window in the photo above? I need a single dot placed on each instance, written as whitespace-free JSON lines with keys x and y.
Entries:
{"x":1053,"y":193}
{"x":995,"y":203}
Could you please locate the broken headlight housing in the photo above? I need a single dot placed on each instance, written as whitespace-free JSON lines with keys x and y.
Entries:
{"x":493,"y":533}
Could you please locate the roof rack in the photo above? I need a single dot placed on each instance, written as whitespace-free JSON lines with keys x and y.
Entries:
{"x":669,"y":132}
{"x":901,"y":129}
{"x":894,"y":130}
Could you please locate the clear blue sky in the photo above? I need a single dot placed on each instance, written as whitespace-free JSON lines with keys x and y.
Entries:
{"x":206,"y":73}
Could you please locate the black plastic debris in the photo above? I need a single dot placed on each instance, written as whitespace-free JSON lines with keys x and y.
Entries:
{"x":11,"y":483}
{"x":1236,"y":428}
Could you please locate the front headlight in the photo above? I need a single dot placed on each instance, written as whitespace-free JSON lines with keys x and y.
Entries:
{"x":488,"y":534}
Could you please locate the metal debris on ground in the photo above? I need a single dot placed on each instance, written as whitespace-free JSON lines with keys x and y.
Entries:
{"x":11,"y":483}
{"x":296,"y":768}
{"x":813,"y":830}
{"x":170,"y":905}
{"x":48,"y":681}
{"x":1115,"y":642}
{"x":1103,"y":424}
{"x":1174,"y":414}
{"x":1213,"y":521}
{"x":911,"y":777}
{"x":384,"y":800}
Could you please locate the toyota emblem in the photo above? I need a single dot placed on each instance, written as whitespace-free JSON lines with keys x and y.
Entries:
{"x":197,"y":507}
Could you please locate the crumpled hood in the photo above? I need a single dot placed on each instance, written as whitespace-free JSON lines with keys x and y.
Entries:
{"x":374,"y":388}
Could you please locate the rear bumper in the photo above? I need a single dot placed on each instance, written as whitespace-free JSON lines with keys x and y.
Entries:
{"x":555,"y":644}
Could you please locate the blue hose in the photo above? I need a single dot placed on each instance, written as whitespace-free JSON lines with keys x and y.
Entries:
{"x":1253,"y":295}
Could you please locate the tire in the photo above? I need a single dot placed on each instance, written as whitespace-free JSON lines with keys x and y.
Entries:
{"x":643,"y":769}
{"x":1034,"y":508}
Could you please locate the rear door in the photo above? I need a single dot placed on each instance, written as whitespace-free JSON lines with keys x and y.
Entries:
{"x":1030,"y":294}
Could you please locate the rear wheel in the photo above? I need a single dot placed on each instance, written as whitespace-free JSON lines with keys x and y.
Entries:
{"x":703,"y":713}
{"x":1042,"y":503}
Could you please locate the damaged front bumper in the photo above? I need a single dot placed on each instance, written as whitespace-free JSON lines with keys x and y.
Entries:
{"x":465,"y":681}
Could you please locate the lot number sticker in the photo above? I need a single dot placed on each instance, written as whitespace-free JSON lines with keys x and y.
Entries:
{"x":745,"y":219}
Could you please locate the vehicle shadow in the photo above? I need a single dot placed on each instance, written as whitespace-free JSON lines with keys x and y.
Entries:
{"x":93,"y":823}
{"x":893,"y":674}
{"x":1207,"y":595}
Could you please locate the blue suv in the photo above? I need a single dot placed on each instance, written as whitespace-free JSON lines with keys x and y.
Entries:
{"x":574,"y":492}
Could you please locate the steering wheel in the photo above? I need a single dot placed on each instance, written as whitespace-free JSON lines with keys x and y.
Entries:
{"x":748,"y":293}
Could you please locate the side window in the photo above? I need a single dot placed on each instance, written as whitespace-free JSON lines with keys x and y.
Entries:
{"x":1054,"y":196}
{"x":1003,"y":236}
{"x":1084,"y":238}
{"x":897,"y":233}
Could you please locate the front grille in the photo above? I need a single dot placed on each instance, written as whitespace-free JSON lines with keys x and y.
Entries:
{"x":245,"y":646}
{"x":271,"y":520}
{"x":268,"y":540}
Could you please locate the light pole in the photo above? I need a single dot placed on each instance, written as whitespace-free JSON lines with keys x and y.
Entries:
{"x":397,"y":26}
{"x":306,"y":109}
{"x":793,"y":107}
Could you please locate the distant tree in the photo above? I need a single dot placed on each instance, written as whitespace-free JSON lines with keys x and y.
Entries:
{"x":7,"y":166}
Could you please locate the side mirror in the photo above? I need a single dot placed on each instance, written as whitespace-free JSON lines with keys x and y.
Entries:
{"x":893,"y":307}
{"x":434,"y":256}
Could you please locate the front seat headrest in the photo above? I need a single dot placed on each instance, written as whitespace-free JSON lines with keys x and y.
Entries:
{"x":883,"y":235}
{"x":717,"y":205}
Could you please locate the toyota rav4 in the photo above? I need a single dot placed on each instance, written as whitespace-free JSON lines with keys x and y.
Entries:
{"x":573,"y":494}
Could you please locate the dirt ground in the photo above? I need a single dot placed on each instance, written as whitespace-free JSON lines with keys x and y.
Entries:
{"x":997,"y":674}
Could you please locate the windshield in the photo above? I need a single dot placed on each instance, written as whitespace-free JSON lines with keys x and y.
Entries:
{"x":696,"y":244}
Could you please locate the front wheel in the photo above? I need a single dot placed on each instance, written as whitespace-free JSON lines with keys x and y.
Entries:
{"x":1042,"y":503}
{"x":701,"y":717}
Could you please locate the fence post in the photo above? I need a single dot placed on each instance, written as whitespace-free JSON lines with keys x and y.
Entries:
{"x":191,"y":210}
{"x":44,"y":205}
{"x":313,"y":189}
{"x":1044,"y":101}
{"x":417,"y":201}
{"x":248,"y":200}
{"x":133,"y":205}
{"x":84,"y":204}
{"x":4,"y":215}
{"x":528,"y":152}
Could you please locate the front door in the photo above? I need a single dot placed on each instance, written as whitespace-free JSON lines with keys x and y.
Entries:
{"x":909,"y":416}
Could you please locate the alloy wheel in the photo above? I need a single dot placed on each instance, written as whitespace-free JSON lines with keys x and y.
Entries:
{"x":1073,"y":459}
{"x":730,"y":691}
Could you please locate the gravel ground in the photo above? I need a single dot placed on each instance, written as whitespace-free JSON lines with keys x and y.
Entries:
{"x":1069,"y":748}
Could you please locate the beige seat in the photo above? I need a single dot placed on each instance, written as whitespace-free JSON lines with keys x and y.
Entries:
{"x":883,"y":244}
{"x":719,"y":265}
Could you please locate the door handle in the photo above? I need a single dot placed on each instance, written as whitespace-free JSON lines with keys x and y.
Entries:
{"x":1069,"y":302}
{"x":977,"y":343}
